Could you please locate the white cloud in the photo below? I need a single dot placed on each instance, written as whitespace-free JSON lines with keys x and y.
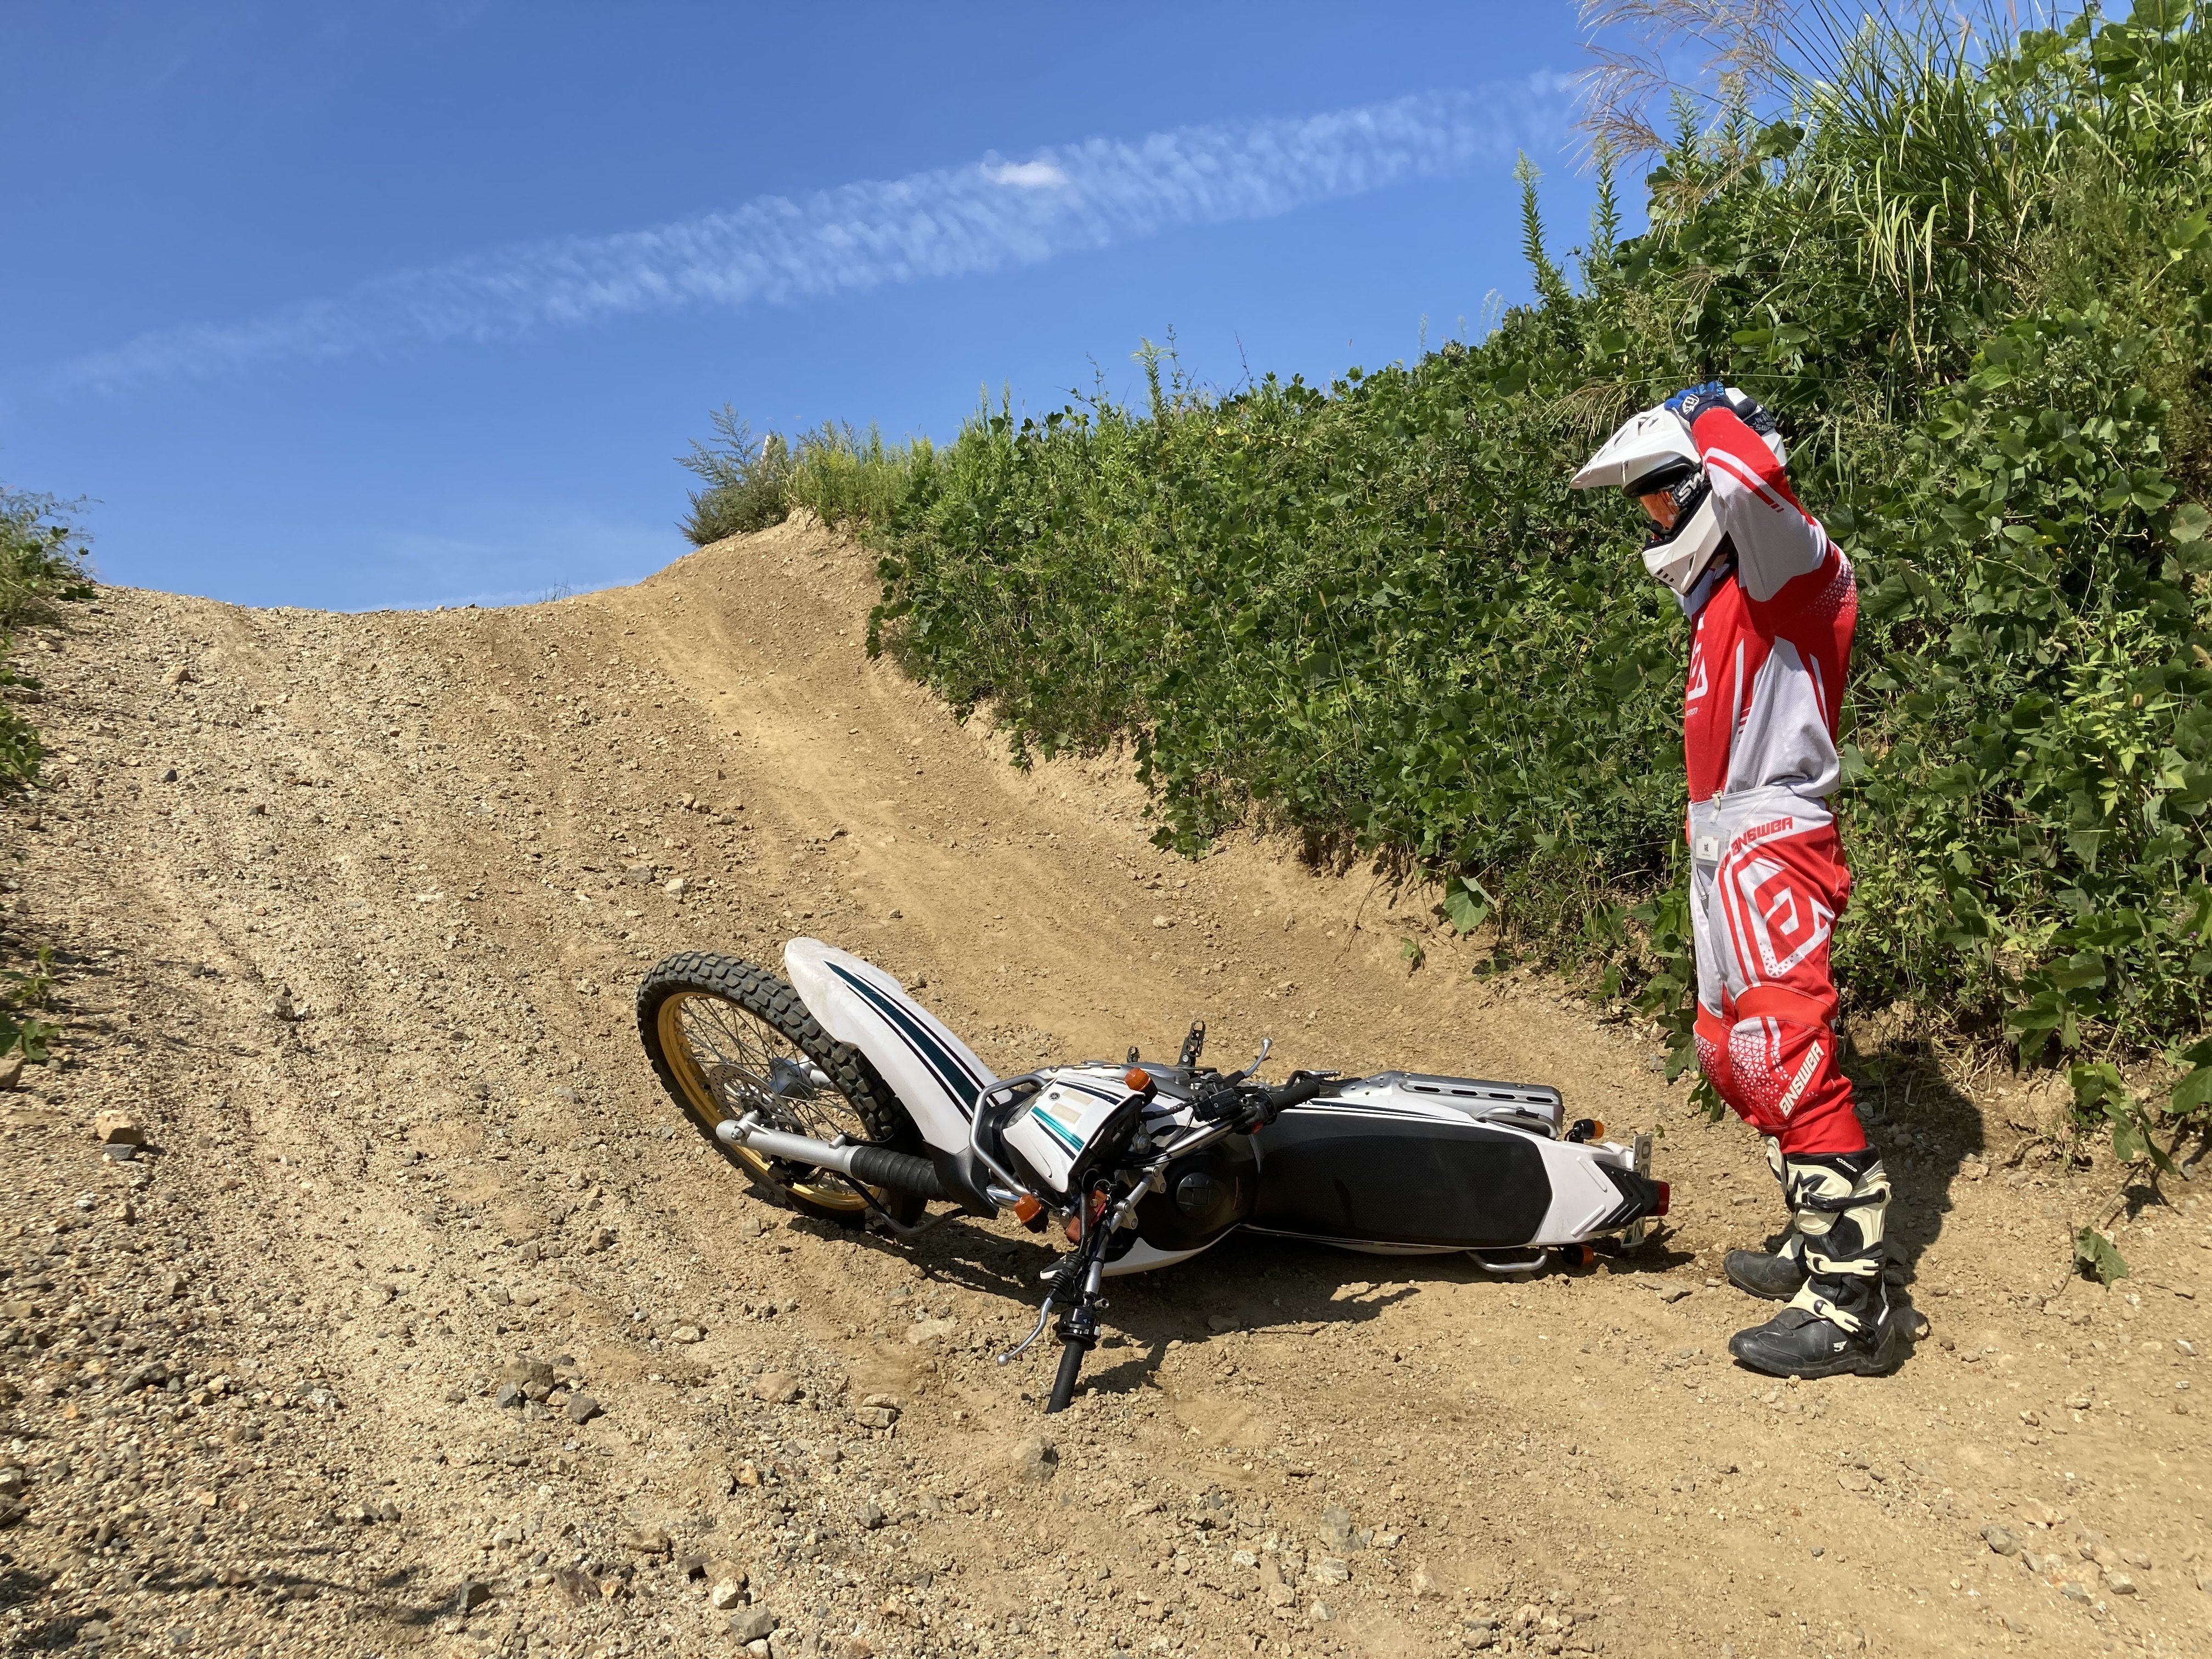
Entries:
{"x":984,"y":216}
{"x":1029,"y":175}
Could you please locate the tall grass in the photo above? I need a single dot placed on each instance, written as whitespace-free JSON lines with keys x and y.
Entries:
{"x":841,"y":475}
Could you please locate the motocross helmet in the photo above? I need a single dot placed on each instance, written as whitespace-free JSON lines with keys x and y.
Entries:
{"x":1653,"y":453}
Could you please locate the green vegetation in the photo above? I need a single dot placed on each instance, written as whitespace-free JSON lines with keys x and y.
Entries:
{"x":42,"y":566}
{"x":842,"y":476}
{"x":1969,"y":276}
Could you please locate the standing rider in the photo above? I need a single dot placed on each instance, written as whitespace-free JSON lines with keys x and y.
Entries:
{"x":1771,"y":605}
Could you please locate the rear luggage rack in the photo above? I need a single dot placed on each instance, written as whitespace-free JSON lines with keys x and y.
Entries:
{"x":1525,"y":1105}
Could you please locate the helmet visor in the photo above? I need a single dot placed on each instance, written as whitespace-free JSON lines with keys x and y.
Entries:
{"x":1660,"y":507}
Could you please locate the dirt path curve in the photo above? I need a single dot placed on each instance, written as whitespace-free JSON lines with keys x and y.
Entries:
{"x":349,"y":911}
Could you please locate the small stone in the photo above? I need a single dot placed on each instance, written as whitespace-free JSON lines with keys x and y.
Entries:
{"x":1035,"y":1459}
{"x":687,"y":1333}
{"x":725,"y":1594}
{"x":11,"y":1070}
{"x":874,"y":1417}
{"x":872,"y":1516}
{"x":1336,"y":1528}
{"x":576,"y":1586}
{"x":1321,"y":1613}
{"x":1999,"y":1539}
{"x":894,"y":915}
{"x":646,"y":1540}
{"x":1422,"y":1583}
{"x":116,"y":1129}
{"x":1674,"y":1292}
{"x":2182,"y":1345}
{"x":1332,"y":1569}
{"x":506,"y":1395}
{"x":754,"y":1624}
{"x":928,"y":1332}
{"x":581,"y":1407}
{"x":674,"y":887}
{"x":474,"y":1594}
{"x":1161,"y":922}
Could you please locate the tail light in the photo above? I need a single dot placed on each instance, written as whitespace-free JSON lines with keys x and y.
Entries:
{"x":1666,"y":1197}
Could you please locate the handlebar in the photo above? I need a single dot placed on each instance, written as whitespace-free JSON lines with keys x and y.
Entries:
{"x":1302,"y":1087}
{"x":1247,"y":1107}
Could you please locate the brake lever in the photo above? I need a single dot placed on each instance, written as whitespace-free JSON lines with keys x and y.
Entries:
{"x":1266,"y":1048}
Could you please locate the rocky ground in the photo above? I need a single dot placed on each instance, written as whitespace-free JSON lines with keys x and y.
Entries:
{"x":422,"y":1321}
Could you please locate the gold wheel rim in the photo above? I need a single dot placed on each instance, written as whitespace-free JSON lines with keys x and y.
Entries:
{"x":728,"y":1061}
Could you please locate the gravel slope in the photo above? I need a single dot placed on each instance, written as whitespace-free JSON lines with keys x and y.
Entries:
{"x":348,"y":910}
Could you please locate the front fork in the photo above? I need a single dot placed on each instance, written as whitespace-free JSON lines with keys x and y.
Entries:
{"x":1075,"y":1291}
{"x":1080,"y":1323}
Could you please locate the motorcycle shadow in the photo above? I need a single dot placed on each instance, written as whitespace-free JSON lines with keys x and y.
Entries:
{"x":1256,"y":1286}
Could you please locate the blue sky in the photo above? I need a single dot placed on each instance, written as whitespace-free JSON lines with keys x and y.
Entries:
{"x":404,"y":302}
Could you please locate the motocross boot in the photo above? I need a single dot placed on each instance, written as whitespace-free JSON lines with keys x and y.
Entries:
{"x":1839,"y":1320}
{"x":1775,"y":1275}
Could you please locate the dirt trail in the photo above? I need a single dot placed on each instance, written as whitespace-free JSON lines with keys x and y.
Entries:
{"x":349,"y":910}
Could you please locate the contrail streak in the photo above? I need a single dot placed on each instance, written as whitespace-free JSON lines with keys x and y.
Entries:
{"x":984,"y":216}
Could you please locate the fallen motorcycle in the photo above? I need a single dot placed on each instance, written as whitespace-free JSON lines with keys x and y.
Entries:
{"x":840,"y":1092}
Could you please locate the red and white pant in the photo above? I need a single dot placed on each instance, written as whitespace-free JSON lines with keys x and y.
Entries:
{"x":1767,"y":882}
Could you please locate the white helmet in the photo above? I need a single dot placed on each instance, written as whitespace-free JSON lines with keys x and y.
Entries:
{"x":1653,"y":452}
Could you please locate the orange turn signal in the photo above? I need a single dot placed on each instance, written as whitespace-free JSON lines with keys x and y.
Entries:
{"x":1137,"y":1080}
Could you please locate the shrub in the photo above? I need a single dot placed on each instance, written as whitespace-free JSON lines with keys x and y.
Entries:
{"x":837,"y":473}
{"x":42,"y":565}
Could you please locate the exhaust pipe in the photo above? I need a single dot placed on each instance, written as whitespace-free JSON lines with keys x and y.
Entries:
{"x":872,"y":1166}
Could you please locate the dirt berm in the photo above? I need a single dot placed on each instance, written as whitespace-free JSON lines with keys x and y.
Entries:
{"x":349,"y":911}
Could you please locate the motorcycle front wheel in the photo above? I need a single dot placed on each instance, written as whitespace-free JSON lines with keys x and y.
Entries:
{"x":726,"y":1038}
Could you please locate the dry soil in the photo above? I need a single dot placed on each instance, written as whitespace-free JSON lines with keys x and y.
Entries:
{"x":346,"y":913}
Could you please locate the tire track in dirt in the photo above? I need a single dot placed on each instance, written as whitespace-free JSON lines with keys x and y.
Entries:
{"x":363,"y":967}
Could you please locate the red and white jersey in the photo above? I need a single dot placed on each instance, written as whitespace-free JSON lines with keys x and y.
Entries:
{"x":1772,"y":637}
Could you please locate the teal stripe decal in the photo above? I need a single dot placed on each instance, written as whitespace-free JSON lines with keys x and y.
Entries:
{"x":950,"y":1073}
{"x":1055,"y":1130}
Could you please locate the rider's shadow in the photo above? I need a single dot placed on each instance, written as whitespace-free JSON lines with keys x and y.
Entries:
{"x":1926,"y":1131}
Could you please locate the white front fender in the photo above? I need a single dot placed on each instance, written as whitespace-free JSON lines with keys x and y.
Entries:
{"x":936,"y":1076}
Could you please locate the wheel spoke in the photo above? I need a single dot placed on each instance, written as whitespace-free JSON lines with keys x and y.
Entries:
{"x":748,"y":1066}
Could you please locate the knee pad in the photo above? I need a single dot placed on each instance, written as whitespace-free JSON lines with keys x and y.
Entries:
{"x":1787,"y":1081}
{"x":1711,"y":1033}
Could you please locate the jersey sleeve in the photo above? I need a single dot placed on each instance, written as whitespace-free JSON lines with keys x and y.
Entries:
{"x":1775,"y":540}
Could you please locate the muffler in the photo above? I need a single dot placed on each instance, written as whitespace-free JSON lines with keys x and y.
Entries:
{"x":872,"y":1166}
